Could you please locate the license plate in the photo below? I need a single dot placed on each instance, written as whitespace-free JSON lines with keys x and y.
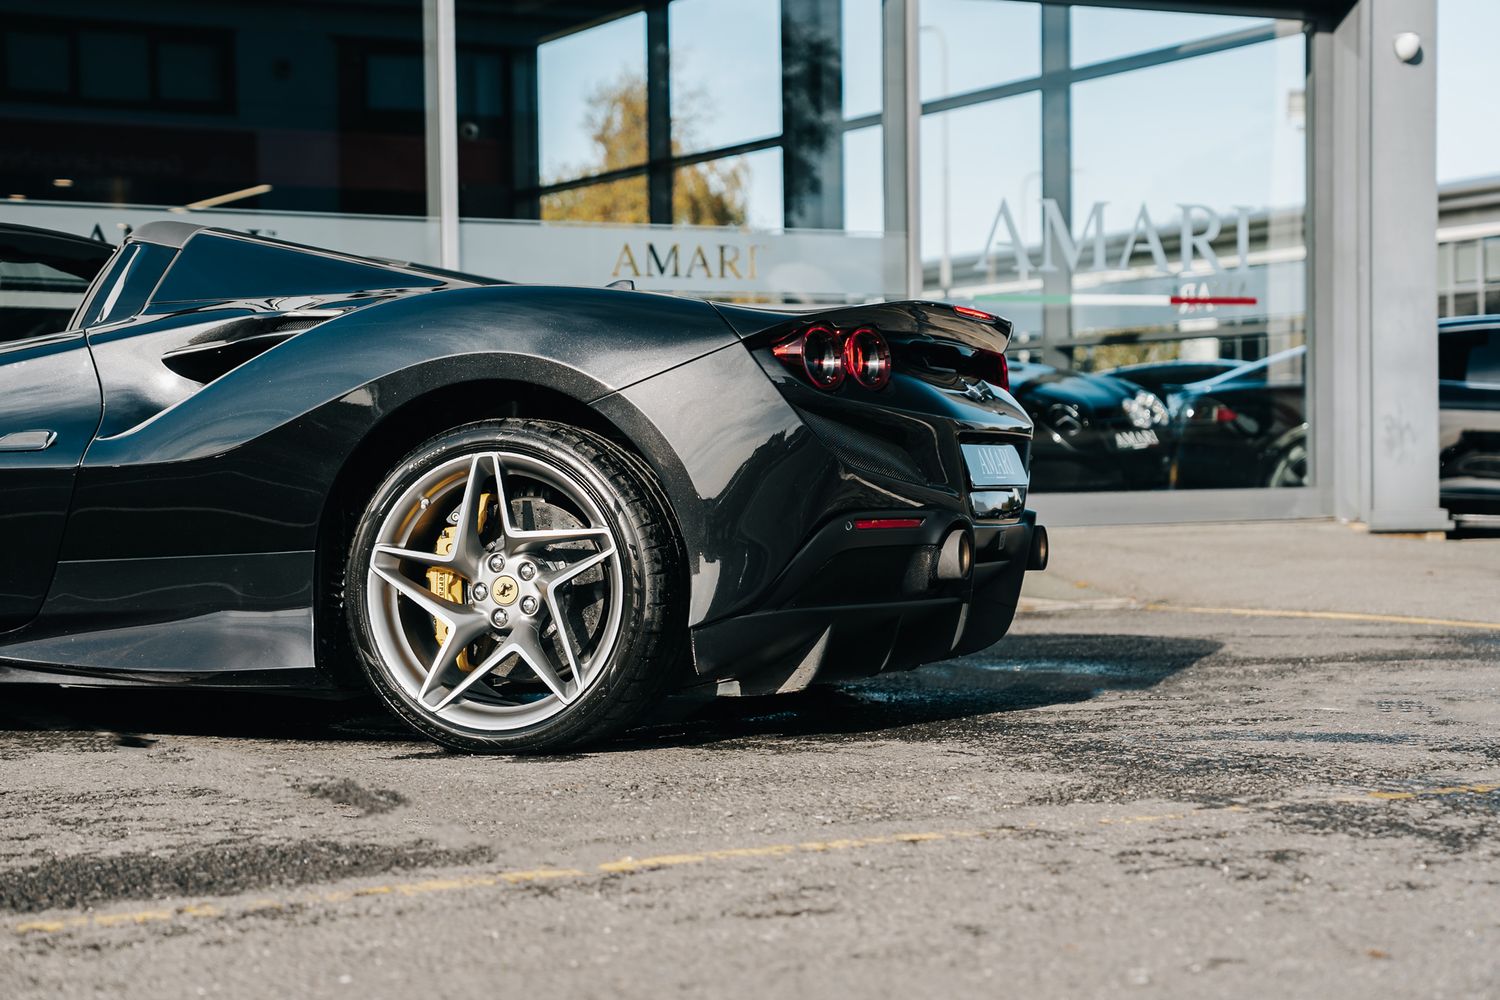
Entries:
{"x":1135,"y":440}
{"x":994,"y":465}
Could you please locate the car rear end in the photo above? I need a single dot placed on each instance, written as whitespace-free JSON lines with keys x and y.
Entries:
{"x":922,"y":543}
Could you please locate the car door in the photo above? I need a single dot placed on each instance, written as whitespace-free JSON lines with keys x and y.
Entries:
{"x":49,"y":405}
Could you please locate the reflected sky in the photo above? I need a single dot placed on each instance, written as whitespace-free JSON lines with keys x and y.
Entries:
{"x":570,"y":70}
{"x":1101,"y":33}
{"x":1174,"y":133}
{"x":726,"y":72}
{"x":1468,"y":81}
{"x":1224,"y":129}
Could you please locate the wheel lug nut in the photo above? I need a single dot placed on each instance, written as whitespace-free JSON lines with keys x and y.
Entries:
{"x":497,"y":563}
{"x":527,"y":571}
{"x":499,"y":618}
{"x":480,"y":592}
{"x":528,"y":605}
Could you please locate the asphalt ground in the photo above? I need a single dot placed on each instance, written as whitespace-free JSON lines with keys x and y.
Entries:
{"x":1121,"y":797}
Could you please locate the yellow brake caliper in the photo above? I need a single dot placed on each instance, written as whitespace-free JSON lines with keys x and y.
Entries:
{"x":449,"y":585}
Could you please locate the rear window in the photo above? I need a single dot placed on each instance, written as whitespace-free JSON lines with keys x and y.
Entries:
{"x":1470,"y":356}
{"x":1484,"y":359}
{"x":42,"y":281}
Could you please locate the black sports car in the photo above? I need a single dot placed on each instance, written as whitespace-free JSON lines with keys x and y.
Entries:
{"x":1093,"y":432}
{"x":1469,"y":394}
{"x":1235,"y":423}
{"x":519,"y":513}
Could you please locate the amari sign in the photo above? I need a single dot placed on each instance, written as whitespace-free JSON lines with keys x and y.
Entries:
{"x":1093,"y":247}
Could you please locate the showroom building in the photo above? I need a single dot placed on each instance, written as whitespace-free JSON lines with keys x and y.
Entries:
{"x":1308,"y":185}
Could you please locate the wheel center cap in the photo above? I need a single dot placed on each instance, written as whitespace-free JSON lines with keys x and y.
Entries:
{"x":505,"y":591}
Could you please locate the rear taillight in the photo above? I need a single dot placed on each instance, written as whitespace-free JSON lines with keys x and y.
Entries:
{"x":1210,"y":411}
{"x":867,"y":358}
{"x":887,"y":523}
{"x":825,"y":356}
{"x":993,"y":369}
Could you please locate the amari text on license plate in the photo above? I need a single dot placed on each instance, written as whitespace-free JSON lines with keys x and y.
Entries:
{"x":1135,"y":440}
{"x":994,"y":465}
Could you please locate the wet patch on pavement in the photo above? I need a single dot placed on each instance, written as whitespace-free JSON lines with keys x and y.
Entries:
{"x":219,"y":870}
{"x":1453,"y":825}
{"x":348,"y":792}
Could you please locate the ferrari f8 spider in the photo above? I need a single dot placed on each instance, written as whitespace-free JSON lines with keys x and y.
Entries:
{"x":520,"y":514}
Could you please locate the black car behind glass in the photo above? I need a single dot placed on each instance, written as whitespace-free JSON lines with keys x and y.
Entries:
{"x":1243,"y":427}
{"x":1469,"y":394}
{"x":1093,"y":432}
{"x":1244,"y":424}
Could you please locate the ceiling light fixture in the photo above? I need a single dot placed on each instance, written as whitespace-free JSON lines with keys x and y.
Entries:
{"x":224,"y":199}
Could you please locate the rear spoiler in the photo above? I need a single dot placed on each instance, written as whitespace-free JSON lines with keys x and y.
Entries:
{"x":932,"y":336}
{"x":939,"y":321}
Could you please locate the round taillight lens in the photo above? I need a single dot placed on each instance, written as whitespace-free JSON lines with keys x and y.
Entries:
{"x":867,"y":357}
{"x":821,"y":357}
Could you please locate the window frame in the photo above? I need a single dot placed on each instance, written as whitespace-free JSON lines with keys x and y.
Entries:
{"x":220,"y":40}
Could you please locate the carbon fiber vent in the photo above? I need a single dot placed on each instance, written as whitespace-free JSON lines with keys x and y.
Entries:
{"x":864,"y":452}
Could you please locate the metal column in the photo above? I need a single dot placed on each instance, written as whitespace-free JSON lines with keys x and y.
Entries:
{"x":812,"y":113}
{"x":1375,"y":271}
{"x":1057,"y":174}
{"x":440,"y":58}
{"x":902,"y":120}
{"x":659,"y":175}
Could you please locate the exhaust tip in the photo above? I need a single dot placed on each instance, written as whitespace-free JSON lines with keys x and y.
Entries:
{"x":1037,"y":559}
{"x":956,"y":556}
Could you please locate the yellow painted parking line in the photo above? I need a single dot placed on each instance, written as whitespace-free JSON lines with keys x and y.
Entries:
{"x":1336,"y":616}
{"x":422,"y":887}
{"x":1429,"y":793}
{"x":633,"y":865}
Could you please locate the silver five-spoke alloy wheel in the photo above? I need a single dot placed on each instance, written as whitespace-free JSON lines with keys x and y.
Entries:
{"x":493,"y":592}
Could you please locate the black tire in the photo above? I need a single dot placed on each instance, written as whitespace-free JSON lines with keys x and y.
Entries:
{"x":1289,"y":468}
{"x":652,"y":639}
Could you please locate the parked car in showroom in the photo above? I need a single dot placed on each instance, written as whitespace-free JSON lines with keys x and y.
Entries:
{"x":1469,"y":394}
{"x":1093,"y":432}
{"x":519,"y":514}
{"x":1244,"y":426}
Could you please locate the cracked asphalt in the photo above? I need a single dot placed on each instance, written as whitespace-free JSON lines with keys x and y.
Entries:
{"x":1113,"y":800}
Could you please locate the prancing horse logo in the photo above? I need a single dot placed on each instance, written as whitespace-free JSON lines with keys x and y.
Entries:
{"x":505,"y":591}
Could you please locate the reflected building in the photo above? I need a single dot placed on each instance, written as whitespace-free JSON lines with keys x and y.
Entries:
{"x":1129,"y":182}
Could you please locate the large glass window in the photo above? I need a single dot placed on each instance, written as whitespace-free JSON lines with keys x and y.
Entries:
{"x":968,"y":45}
{"x":864,"y":180}
{"x":1468,"y":77}
{"x":1140,"y":217}
{"x":1468,"y":158}
{"x":316,"y":109}
{"x":760,"y":117}
{"x":970,"y":156}
{"x":578,"y":126}
{"x":726,"y":72}
{"x":730,"y":191}
{"x":860,"y":57}
{"x":1105,"y":33}
{"x":591,"y":100}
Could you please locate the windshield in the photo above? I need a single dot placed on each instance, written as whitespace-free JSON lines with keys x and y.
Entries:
{"x":1283,"y":366}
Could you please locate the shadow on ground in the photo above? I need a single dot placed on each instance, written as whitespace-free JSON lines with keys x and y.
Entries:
{"x":1020,"y":673}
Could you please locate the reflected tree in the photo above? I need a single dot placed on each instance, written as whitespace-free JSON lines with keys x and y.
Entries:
{"x":703,"y":194}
